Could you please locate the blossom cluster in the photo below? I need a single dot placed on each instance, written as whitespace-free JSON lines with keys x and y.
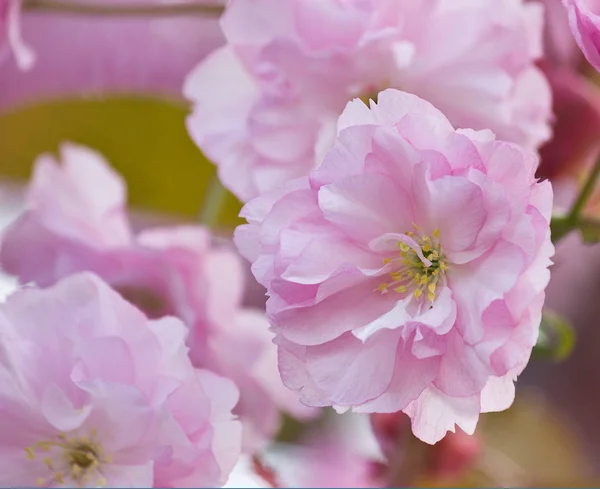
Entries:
{"x":389,"y":155}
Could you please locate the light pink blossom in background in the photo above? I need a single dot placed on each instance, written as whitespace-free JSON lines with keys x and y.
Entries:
{"x":94,"y":394}
{"x":76,"y":221}
{"x":11,"y":43}
{"x":107,"y":54}
{"x":560,"y":49}
{"x":266,"y":104}
{"x":567,"y":158}
{"x":584,"y":18}
{"x":341,"y":453}
{"x":408,"y":271}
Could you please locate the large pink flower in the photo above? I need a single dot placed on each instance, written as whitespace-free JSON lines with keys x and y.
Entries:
{"x":10,"y":35}
{"x":408,"y":272}
{"x":266,"y":104}
{"x":76,"y":221}
{"x":94,"y":394}
{"x":584,"y":17}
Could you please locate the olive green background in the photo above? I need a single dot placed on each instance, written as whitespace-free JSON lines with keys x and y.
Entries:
{"x":145,"y":139}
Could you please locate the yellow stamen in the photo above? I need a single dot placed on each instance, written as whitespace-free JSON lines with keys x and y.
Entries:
{"x":427,"y":247}
{"x":59,"y":478}
{"x":40,"y":481}
{"x":443,"y":266}
{"x":431,"y":296}
{"x":30,"y":454}
{"x":401,"y":289}
{"x":424,"y":279}
{"x":383,"y":288}
{"x":418,"y":293}
{"x":386,"y":261}
{"x":431,"y":288}
{"x":436,"y":233}
{"x":404,"y":247}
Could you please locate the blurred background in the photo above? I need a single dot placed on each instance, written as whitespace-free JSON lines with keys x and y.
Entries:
{"x":114,"y":84}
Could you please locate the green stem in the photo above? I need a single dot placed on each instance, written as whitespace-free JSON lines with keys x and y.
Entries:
{"x":563,"y":225}
{"x":73,"y":7}
{"x":214,"y":202}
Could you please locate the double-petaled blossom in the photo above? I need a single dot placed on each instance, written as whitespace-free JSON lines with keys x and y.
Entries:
{"x":584,"y":18}
{"x":94,"y":394}
{"x":76,"y":221}
{"x":266,"y":104}
{"x":408,"y":271}
{"x":10,"y":35}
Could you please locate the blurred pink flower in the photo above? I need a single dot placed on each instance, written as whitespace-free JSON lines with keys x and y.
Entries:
{"x":390,"y":429}
{"x":584,"y":18}
{"x":76,"y":221}
{"x":10,"y":35}
{"x":266,"y":104}
{"x":567,"y":157}
{"x":560,"y":49}
{"x":104,"y":53}
{"x":408,"y":272}
{"x":575,"y":145}
{"x":94,"y":394}
{"x":455,"y":455}
{"x":332,"y":455}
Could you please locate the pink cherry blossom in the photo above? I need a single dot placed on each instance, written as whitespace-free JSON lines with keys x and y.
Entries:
{"x":584,"y":18}
{"x":559,"y":47}
{"x":574,"y":145}
{"x":572,"y":151}
{"x":76,"y":221}
{"x":94,"y":394}
{"x":342,"y":453}
{"x":88,"y":54}
{"x":10,"y":35}
{"x":408,"y":271}
{"x":266,"y":104}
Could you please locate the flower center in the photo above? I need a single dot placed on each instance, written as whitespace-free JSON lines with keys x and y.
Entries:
{"x":419,"y":268}
{"x":75,"y":459}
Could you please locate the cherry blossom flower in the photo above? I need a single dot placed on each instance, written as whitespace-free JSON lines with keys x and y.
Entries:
{"x":408,"y":271}
{"x":76,"y":221}
{"x":341,"y":453}
{"x":94,"y":394}
{"x":266,"y":104}
{"x":584,"y":18}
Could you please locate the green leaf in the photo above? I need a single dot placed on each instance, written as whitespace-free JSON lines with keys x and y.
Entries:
{"x":556,"y":339}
